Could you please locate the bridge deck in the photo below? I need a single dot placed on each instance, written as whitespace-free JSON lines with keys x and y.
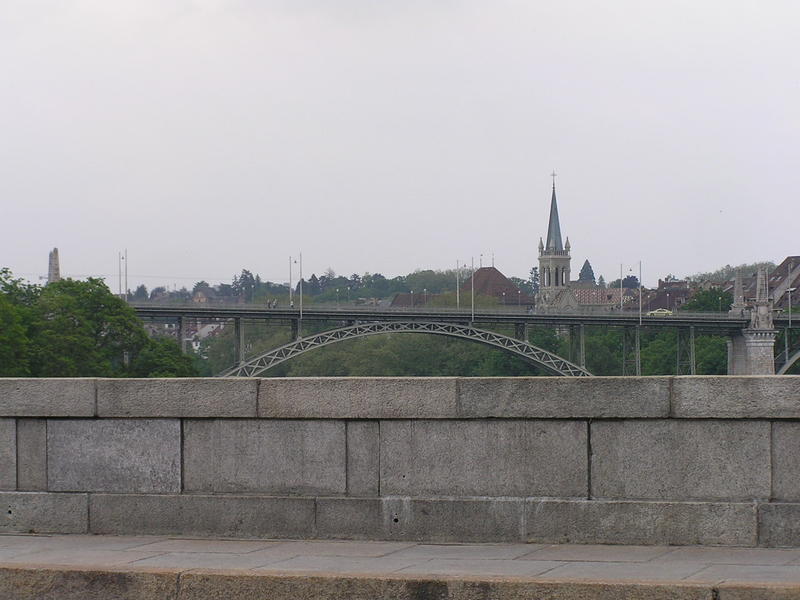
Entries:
{"x":711,"y":322}
{"x":75,"y":566}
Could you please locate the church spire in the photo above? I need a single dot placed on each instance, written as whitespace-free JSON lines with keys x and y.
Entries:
{"x":554,"y":227}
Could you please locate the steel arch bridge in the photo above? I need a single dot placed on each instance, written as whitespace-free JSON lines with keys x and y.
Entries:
{"x":793,"y":358}
{"x":533,"y":354}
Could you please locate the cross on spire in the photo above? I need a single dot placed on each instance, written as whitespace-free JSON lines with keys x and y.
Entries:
{"x":553,"y":175}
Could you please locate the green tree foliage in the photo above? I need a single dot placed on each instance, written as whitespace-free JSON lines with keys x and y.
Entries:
{"x":13,"y":340}
{"x":728,"y":272}
{"x":75,"y":328}
{"x":82,"y":329}
{"x":630,"y":282}
{"x":587,"y":273}
{"x":533,"y":279}
{"x":711,"y":300}
{"x":140,"y":295}
{"x":162,"y":357}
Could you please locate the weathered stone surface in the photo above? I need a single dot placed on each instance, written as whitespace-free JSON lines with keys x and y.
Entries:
{"x":37,"y":512}
{"x":32,"y":454}
{"x":279,"y":457}
{"x":737,"y":591}
{"x":221,"y":516}
{"x":752,"y":397}
{"x":421,"y":519}
{"x":563,"y":397}
{"x":786,"y":461}
{"x":363,"y":458}
{"x":681,"y":460}
{"x":52,"y":397}
{"x":80,"y":583}
{"x":8,"y":454}
{"x":779,"y":524}
{"x":114,"y":455}
{"x":200,"y":585}
{"x":645,"y":523}
{"x":484,"y":458}
{"x":357,"y":398}
{"x":209,"y":397}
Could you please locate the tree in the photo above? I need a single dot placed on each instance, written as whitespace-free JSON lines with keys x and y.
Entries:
{"x":601,"y":282}
{"x":630,"y":282}
{"x":587,"y":273}
{"x":200,"y":286}
{"x":140,"y":295}
{"x":162,"y":357}
{"x":710,"y":300}
{"x":13,"y":340}
{"x":522,"y":284}
{"x":81,"y":329}
{"x":533,"y":278}
{"x":245,"y":285}
{"x":727,"y":272}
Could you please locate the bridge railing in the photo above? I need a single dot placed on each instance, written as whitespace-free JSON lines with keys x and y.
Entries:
{"x":350,"y":309}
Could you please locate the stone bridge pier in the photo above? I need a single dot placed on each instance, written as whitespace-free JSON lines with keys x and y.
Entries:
{"x":752,"y":352}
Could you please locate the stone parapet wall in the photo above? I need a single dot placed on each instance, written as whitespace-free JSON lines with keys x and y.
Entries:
{"x":650,"y":460}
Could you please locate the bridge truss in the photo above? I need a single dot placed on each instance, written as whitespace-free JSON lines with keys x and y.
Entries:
{"x":533,"y":354}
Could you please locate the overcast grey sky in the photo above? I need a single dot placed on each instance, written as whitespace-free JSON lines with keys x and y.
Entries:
{"x":207,"y":136}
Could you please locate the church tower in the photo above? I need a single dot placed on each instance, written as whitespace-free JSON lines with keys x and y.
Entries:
{"x":554,"y":258}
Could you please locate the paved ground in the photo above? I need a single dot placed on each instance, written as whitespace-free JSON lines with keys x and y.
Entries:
{"x":529,"y":561}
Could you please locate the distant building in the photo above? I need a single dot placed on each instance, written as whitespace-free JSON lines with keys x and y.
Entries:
{"x":53,"y":268}
{"x":671,"y":294}
{"x":492,"y":283}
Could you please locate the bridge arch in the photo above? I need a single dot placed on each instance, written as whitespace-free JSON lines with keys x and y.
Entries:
{"x":788,"y":364}
{"x":533,"y":354}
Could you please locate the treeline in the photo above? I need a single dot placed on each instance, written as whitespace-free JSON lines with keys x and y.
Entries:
{"x":328,"y":287}
{"x":79,"y":329}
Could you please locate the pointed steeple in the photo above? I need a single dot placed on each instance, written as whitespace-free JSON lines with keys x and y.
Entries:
{"x":554,"y":227}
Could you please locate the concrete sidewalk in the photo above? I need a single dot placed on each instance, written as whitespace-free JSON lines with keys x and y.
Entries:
{"x":87,"y":567}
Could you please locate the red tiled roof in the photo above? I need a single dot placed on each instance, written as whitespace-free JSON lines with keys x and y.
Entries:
{"x":491,"y":282}
{"x":599,"y":296}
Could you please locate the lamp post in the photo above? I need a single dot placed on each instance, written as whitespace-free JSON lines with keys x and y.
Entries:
{"x":291,"y":304}
{"x":458,"y":292}
{"x":519,"y":298}
{"x":337,"y":298}
{"x":472,"y":285}
{"x":789,"y":328}
{"x":425,"y":291}
{"x":412,"y":299}
{"x":640,"y":293}
{"x":301,"y":290}
{"x":504,"y":298}
{"x":719,"y":304}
